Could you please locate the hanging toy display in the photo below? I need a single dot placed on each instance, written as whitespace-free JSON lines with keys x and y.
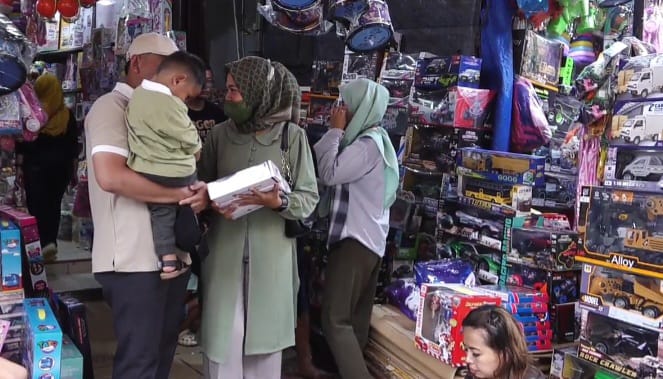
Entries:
{"x":69,"y":10}
{"x":651,"y":27}
{"x":365,"y":25}
{"x":6,"y":6}
{"x":582,"y":49}
{"x":46,"y":9}
{"x":303,"y":17}
{"x":372,"y":30}
{"x":15,"y":51}
{"x":88,"y":3}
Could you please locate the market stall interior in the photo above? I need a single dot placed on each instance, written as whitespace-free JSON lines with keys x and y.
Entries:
{"x":528,"y":136}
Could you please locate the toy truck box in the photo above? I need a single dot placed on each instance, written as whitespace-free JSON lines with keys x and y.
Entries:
{"x":43,"y":342}
{"x":440,"y":315}
{"x":458,"y":107}
{"x":518,"y":197}
{"x":445,"y":72}
{"x":435,"y":149}
{"x":10,"y":256}
{"x":619,"y":294}
{"x":567,"y":364}
{"x":623,"y":348}
{"x":548,"y":249}
{"x":501,"y":167}
{"x":621,"y":229}
{"x":537,"y":58}
{"x":641,"y":78}
{"x":475,"y":220}
{"x":561,"y":155}
{"x":637,"y":123}
{"x":558,"y":192}
{"x":634,"y":167}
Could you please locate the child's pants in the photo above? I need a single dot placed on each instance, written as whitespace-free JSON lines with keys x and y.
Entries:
{"x":163,"y":215}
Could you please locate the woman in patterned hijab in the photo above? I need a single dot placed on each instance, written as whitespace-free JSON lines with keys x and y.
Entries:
{"x":250,"y":276}
{"x":270,"y":93}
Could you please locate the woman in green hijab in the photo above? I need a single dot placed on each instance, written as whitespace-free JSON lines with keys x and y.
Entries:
{"x":357,"y":161}
{"x":250,"y":275}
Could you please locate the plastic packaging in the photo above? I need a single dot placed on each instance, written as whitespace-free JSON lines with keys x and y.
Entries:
{"x":530,"y":126}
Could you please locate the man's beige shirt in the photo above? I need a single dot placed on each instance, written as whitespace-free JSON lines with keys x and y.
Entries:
{"x":122,"y":228}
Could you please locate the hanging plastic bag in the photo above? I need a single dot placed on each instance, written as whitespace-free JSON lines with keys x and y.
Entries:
{"x":530,"y":129}
{"x":532,"y":7}
{"x":33,"y":115}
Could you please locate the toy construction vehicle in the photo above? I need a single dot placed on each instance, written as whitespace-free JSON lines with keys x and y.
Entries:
{"x":640,"y":295}
{"x":640,"y":239}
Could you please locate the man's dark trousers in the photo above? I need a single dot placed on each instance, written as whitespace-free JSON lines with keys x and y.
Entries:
{"x":147,"y":314}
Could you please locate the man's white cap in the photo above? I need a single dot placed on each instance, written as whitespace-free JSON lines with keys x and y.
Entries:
{"x":151,"y":43}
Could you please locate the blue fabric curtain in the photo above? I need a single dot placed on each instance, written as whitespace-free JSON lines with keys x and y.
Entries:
{"x":497,"y":65}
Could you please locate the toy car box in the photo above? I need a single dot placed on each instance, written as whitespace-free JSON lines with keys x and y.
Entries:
{"x":476,"y":220}
{"x":446,"y":72}
{"x":516,"y":196}
{"x":458,"y":107}
{"x":566,"y":364}
{"x":561,"y":156}
{"x":501,"y":167}
{"x":637,"y":123}
{"x":621,"y":229}
{"x":560,"y":286}
{"x":514,"y":295}
{"x":435,"y":149}
{"x":72,"y":360}
{"x":558,"y":192}
{"x":634,"y":167}
{"x":397,"y":75}
{"x":357,"y":66}
{"x":486,"y":261}
{"x":442,"y":309}
{"x":544,"y":248}
{"x":629,"y":297}
{"x":537,"y":58}
{"x":10,"y":261}
{"x":620,"y":347}
{"x":641,"y":78}
{"x":43,"y":343}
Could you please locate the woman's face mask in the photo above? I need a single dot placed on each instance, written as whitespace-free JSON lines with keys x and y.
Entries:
{"x":239,"y":112}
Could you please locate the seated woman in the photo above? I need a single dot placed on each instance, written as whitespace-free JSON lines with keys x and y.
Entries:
{"x":496,"y":347}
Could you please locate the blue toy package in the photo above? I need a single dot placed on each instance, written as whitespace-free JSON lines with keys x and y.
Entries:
{"x":43,"y":342}
{"x":445,"y":72}
{"x":10,"y":262}
{"x":456,"y":271}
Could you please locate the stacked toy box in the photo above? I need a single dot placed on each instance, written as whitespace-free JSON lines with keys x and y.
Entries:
{"x":11,"y":292}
